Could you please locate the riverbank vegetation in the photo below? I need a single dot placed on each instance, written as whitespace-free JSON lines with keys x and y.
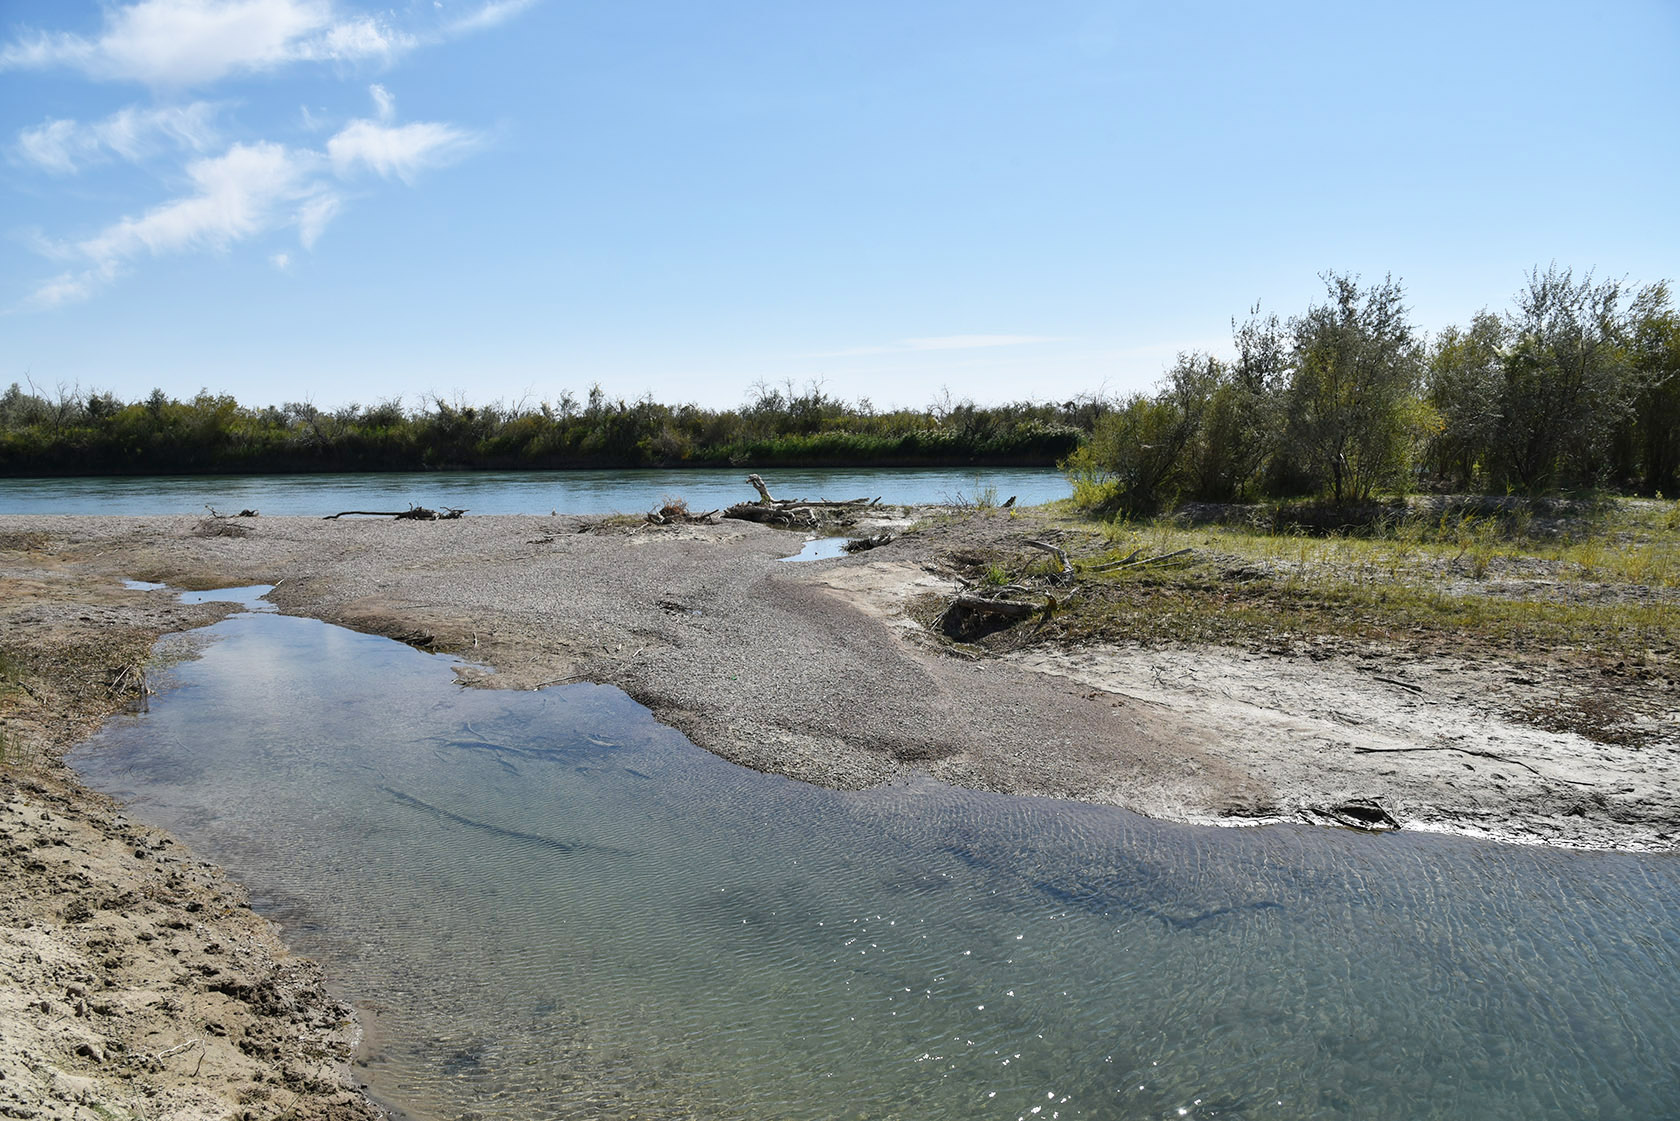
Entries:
{"x":77,"y":433}
{"x":1576,"y":386}
{"x":1579,"y":595}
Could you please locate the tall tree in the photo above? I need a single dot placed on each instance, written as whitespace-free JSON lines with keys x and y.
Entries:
{"x":1465,"y":375}
{"x":1352,"y":405}
{"x":1566,"y":388}
{"x":1655,"y":345}
{"x":1240,"y":428}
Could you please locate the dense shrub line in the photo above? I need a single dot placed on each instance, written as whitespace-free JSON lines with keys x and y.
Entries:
{"x":1577,"y":386}
{"x":96,"y":434}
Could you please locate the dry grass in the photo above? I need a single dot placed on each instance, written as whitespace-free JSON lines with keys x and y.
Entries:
{"x":1606,"y":584}
{"x":1580,"y":613}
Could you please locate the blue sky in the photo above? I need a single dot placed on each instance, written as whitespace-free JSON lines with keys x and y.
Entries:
{"x":334,"y":201}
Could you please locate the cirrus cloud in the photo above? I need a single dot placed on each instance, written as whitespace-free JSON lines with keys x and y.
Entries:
{"x":190,"y":42}
{"x":940,"y":342}
{"x":395,"y":151}
{"x":249,"y":189}
{"x":132,"y":133}
{"x":254,"y":186}
{"x":172,"y":43}
{"x":255,"y":189}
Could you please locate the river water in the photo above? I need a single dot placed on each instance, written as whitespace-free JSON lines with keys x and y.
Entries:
{"x":548,"y":905}
{"x":514,"y":492}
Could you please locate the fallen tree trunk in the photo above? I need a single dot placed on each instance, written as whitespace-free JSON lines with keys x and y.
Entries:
{"x":772,"y":515}
{"x":766,"y":499}
{"x":1013,"y":608}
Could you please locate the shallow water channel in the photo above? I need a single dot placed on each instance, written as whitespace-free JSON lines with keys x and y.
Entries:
{"x":549,"y":905}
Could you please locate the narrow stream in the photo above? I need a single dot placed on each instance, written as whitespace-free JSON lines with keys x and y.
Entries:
{"x":549,"y":905}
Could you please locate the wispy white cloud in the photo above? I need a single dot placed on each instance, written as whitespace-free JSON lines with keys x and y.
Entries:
{"x":190,"y":42}
{"x":255,"y":189}
{"x":132,"y":133}
{"x":314,"y":214}
{"x":248,"y":190}
{"x":252,"y":188}
{"x":383,"y":101}
{"x":973,"y":342}
{"x":488,"y":15}
{"x":281,"y":261}
{"x":939,"y":342}
{"x":395,"y":151}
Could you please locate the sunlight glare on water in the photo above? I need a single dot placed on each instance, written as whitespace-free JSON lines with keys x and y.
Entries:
{"x":547,"y":904}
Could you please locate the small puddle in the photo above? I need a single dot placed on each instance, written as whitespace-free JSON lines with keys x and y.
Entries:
{"x":821,"y":548}
{"x":549,"y":905}
{"x":250,"y":597}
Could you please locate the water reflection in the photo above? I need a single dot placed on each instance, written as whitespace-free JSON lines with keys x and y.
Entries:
{"x":549,"y":905}
{"x":821,"y":548}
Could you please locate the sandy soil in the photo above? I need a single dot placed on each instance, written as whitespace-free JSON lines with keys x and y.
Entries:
{"x":140,"y":983}
{"x":817,"y":671}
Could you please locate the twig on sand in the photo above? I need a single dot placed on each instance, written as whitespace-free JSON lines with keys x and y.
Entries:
{"x":559,"y":681}
{"x":1469,"y":751}
{"x":1132,"y":561}
{"x":1066,"y":575}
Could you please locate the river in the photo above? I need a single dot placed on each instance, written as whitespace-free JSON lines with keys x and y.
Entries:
{"x":514,"y":492}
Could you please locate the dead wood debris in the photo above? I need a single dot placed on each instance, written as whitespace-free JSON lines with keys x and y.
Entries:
{"x":674,"y":511}
{"x":864,"y":544}
{"x":412,"y":514}
{"x":801,"y":512}
{"x":1134,"y":561}
{"x":1366,"y":814}
{"x":1469,"y":751}
{"x":1066,"y":575}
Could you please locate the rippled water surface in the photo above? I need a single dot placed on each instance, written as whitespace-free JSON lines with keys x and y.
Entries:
{"x":513,"y":492}
{"x":548,"y":905}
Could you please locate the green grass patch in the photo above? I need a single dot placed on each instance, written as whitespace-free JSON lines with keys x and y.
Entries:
{"x":1599,"y":579}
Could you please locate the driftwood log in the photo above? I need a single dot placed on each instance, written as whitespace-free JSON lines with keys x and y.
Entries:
{"x":1012,"y":608}
{"x":801,"y":512}
{"x":772,"y":515}
{"x":412,"y":514}
{"x":864,"y":544}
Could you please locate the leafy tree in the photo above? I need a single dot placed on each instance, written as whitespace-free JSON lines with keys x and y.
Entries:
{"x":1654,"y":339}
{"x":1566,"y":387}
{"x":1351,"y":403}
{"x":1465,"y":376}
{"x":1136,"y":460}
{"x":1240,"y":428}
